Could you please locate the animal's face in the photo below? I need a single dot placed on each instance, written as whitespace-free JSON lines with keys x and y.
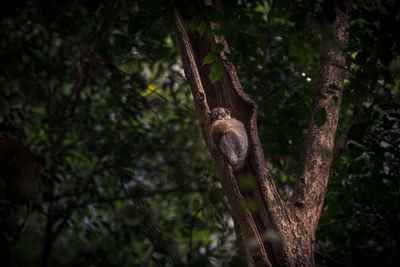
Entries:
{"x":218,"y":114}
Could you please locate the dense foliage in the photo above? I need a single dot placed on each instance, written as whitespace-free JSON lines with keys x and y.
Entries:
{"x":96,"y":91}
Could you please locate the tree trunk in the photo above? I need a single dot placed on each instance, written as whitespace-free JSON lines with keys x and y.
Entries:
{"x":294,"y":221}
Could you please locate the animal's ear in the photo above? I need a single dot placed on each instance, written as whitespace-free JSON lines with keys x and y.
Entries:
{"x":228,"y":111}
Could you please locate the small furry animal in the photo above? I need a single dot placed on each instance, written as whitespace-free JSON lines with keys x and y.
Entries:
{"x":229,"y":135}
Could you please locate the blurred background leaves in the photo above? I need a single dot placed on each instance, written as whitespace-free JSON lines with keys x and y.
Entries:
{"x":96,"y":92}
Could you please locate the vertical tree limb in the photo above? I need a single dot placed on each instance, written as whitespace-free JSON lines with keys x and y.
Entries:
{"x":359,"y":113}
{"x":197,"y":77}
{"x":310,"y":188}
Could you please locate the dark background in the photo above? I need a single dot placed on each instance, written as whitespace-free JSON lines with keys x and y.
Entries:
{"x":94,"y":108}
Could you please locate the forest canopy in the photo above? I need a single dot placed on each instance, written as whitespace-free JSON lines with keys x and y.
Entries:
{"x":95,"y":108}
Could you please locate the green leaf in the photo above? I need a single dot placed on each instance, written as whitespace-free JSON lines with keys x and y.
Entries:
{"x":217,"y":48}
{"x":320,"y":117}
{"x":210,"y":58}
{"x":194,"y":22}
{"x":216,"y":71}
{"x":202,"y":27}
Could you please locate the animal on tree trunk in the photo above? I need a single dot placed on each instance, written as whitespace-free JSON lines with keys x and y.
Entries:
{"x":229,"y":135}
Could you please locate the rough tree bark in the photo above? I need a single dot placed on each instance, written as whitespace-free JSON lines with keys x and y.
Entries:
{"x":294,"y":221}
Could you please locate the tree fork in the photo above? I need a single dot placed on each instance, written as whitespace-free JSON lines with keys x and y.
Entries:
{"x":295,"y":221}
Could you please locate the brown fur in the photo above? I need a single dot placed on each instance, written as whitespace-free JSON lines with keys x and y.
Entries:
{"x":218,"y":129}
{"x":229,"y":135}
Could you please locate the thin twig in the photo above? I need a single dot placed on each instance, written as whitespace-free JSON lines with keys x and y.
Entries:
{"x":329,"y":258}
{"x":334,"y":221}
{"x":381,"y":139}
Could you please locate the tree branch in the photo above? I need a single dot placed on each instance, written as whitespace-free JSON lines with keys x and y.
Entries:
{"x":192,"y":74}
{"x":330,"y":259}
{"x":358,"y":116}
{"x":358,"y":111}
{"x":310,"y":187}
{"x":227,"y":92}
